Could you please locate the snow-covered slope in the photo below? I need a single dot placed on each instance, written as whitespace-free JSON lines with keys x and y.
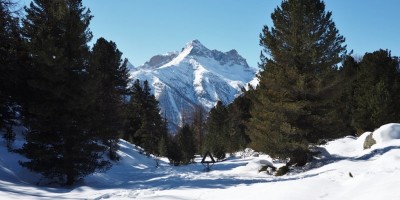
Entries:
{"x":194,"y":76}
{"x":130,"y":66}
{"x":343,"y":171}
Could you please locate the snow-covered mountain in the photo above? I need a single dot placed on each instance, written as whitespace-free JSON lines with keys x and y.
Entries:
{"x":194,"y":76}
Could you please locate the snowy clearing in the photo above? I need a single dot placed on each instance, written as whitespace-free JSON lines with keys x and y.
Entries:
{"x":343,"y":171}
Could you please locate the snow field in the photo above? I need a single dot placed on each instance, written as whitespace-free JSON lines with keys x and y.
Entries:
{"x":344,"y":170}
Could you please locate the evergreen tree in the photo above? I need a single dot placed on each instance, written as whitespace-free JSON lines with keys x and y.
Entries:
{"x":10,"y":64}
{"x":199,"y":126}
{"x":377,"y":91}
{"x":109,"y":78}
{"x":217,"y":136}
{"x":186,"y":143}
{"x":345,"y":104}
{"x":134,"y":112}
{"x":174,"y":154}
{"x":238,"y":115}
{"x":163,"y":146}
{"x":60,"y":144}
{"x":293,"y":104}
{"x":164,"y":139}
{"x":145,"y":124}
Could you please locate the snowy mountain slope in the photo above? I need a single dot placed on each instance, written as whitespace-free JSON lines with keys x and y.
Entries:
{"x":194,"y":76}
{"x":375,"y":173}
{"x":130,"y":66}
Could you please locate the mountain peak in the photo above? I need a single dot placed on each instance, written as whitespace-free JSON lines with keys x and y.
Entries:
{"x":195,"y":47}
{"x":195,"y":43}
{"x":195,"y":50}
{"x":233,"y":52}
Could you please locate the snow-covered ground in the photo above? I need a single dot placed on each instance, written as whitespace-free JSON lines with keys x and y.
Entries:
{"x":375,"y":175}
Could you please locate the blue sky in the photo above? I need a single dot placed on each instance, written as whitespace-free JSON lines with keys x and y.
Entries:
{"x":143,"y":28}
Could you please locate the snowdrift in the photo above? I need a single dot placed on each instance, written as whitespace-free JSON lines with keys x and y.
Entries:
{"x":387,"y":133}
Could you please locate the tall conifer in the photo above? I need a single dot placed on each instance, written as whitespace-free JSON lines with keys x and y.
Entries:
{"x":345,"y":104}
{"x":293,"y":105}
{"x":59,"y":143}
{"x":199,"y":126}
{"x":186,"y":144}
{"x":145,"y":125}
{"x":217,"y":137}
{"x":109,"y":79}
{"x":238,"y":115}
{"x":377,"y":91}
{"x":12,"y":55}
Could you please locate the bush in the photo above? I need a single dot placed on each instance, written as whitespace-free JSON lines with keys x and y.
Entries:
{"x":219,"y":153}
{"x":174,"y":154}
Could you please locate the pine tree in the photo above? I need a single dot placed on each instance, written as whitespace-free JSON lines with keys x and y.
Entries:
{"x":60,"y":144}
{"x":109,"y":78}
{"x":135,"y":112}
{"x":298,"y":80}
{"x":217,"y":131}
{"x":163,"y":146}
{"x":377,"y":91}
{"x":345,"y":104}
{"x":174,"y":154}
{"x":10,"y":64}
{"x":164,"y":138}
{"x":238,"y":115}
{"x":199,"y":126}
{"x":186,"y":143}
{"x":145,"y":124}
